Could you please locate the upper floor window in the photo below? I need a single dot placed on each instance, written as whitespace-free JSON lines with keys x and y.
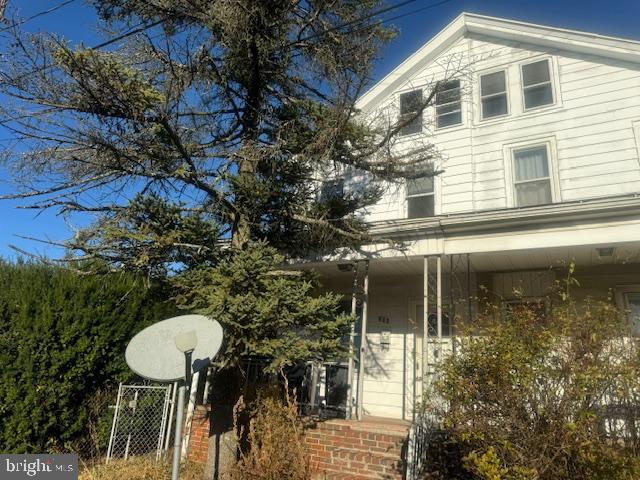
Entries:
{"x":420,"y":198}
{"x":536,"y":84}
{"x":331,"y":190}
{"x":532,"y":180}
{"x":448,"y":104}
{"x":411,"y":108}
{"x":493,"y":94}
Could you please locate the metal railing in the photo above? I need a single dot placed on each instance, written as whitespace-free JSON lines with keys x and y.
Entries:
{"x":423,"y":431}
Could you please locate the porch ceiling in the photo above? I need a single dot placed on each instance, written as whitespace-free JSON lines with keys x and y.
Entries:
{"x":519,"y":260}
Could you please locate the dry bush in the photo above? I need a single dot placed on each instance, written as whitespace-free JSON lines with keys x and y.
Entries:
{"x":553,"y":396}
{"x":274,"y":438}
{"x":140,"y":468}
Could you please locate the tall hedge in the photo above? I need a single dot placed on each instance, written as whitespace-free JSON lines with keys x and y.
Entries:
{"x":62,"y":342}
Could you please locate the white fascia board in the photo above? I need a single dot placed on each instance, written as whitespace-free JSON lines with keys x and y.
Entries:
{"x":562,"y":39}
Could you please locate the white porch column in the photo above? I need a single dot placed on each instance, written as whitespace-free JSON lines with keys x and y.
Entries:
{"x":363,"y":340}
{"x":425,"y":326}
{"x":438,"y":351}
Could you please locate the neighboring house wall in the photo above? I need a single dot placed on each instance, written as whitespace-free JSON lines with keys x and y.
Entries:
{"x":592,"y":130}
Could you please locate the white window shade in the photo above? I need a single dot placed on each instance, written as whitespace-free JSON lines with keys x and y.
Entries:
{"x":536,"y":83}
{"x":531,"y":176}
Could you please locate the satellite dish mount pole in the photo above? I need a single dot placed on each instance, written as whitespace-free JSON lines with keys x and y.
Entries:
{"x":185,"y":342}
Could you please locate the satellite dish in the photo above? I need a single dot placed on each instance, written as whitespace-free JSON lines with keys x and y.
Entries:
{"x":153,"y":354}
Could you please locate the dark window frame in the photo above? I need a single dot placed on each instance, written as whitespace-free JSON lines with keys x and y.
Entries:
{"x":490,"y":96}
{"x":410,"y":108}
{"x":548,"y":83}
{"x":442,"y":101}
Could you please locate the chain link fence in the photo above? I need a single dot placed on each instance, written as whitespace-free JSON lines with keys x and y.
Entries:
{"x":141,"y":422}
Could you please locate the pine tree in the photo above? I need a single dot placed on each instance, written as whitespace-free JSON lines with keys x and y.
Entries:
{"x":212,"y":122}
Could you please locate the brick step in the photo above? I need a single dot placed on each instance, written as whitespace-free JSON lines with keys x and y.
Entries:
{"x":355,"y":450}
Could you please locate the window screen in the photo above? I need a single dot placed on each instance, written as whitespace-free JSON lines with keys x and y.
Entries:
{"x":448,"y":105}
{"x":410,"y":104}
{"x":493,"y":95}
{"x":531,"y":176}
{"x":536,"y":82}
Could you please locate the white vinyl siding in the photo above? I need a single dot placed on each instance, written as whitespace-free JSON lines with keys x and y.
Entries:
{"x":594,"y":121}
{"x":537,"y":85}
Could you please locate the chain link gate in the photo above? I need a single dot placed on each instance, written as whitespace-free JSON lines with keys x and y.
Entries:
{"x":140,"y":421}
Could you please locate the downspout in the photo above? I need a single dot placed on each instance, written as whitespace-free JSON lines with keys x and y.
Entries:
{"x":363,"y":339}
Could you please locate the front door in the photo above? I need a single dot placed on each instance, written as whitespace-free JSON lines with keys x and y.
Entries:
{"x":413,"y":360}
{"x":420,"y":373}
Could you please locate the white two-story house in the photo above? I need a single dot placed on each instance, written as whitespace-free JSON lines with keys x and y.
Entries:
{"x":539,"y":131}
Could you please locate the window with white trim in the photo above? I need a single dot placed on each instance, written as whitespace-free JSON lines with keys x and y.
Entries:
{"x":493,"y":94}
{"x":410,"y":108}
{"x":628,"y":300}
{"x":420,"y":198}
{"x":531,"y":176}
{"x":449,"y":105}
{"x":632,"y":307}
{"x":536,"y":84}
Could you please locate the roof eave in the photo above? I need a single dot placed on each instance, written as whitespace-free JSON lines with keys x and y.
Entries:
{"x":512,"y":30}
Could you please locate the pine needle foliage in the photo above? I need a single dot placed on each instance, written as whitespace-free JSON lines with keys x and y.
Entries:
{"x":62,"y":341}
{"x":266,"y":311}
{"x":221,"y":117}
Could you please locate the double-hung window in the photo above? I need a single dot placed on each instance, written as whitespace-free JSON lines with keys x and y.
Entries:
{"x":532,"y":178}
{"x":420,"y":198}
{"x":411,"y":112}
{"x":448,"y":104}
{"x":493,"y":95}
{"x":628,"y":300}
{"x":536,"y":84}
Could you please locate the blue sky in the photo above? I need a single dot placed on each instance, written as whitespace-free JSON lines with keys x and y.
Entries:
{"x":77,"y":23}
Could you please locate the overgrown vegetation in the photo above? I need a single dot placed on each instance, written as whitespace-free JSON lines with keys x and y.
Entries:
{"x":62,"y":341}
{"x":140,"y":468}
{"x":542,"y":397}
{"x":272,"y":432}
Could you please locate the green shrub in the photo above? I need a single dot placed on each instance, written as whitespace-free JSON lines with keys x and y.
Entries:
{"x":62,"y":341}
